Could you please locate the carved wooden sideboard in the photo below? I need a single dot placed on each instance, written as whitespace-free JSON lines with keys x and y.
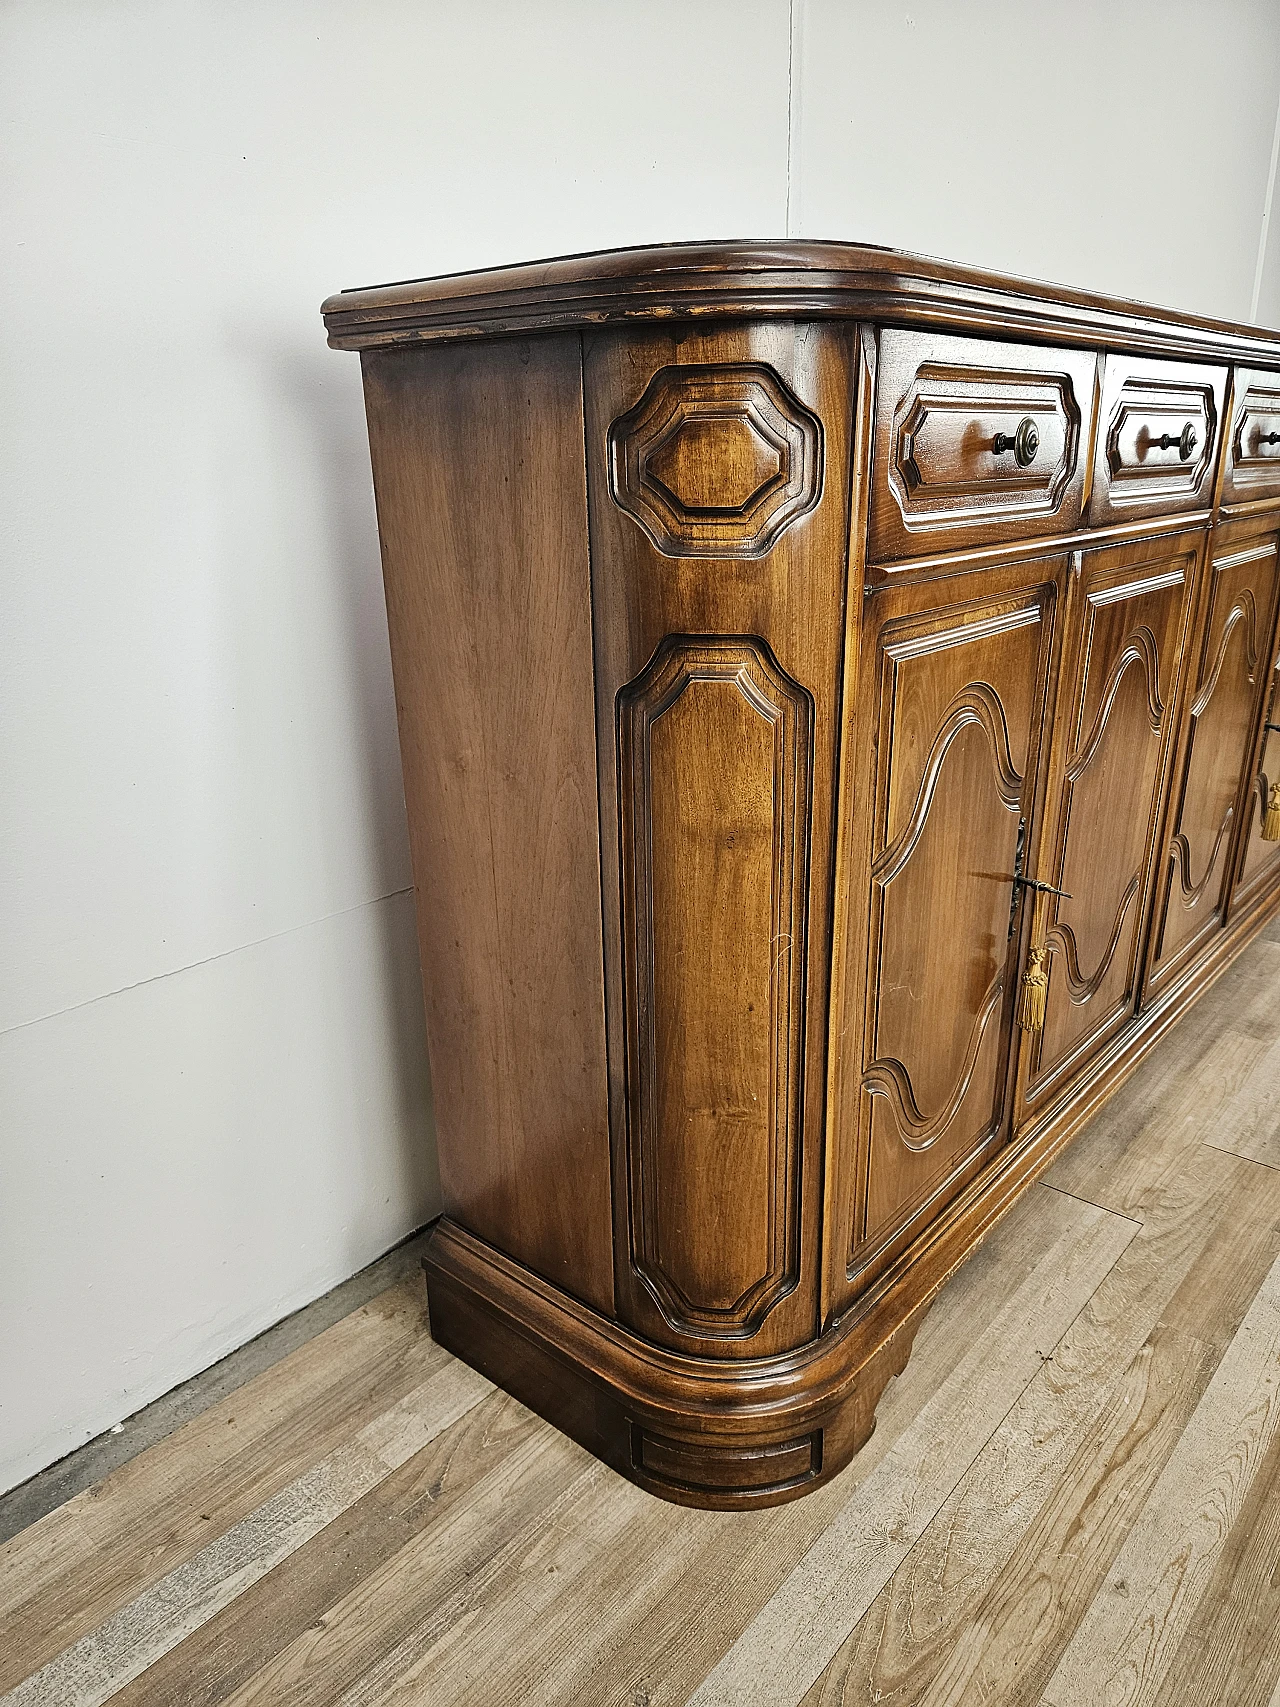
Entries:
{"x":835,"y":695}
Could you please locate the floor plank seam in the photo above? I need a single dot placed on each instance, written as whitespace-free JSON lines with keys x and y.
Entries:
{"x":1106,"y":1209}
{"x":1235,"y":1154}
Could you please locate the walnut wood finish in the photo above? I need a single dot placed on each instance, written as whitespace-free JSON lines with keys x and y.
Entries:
{"x":1258,"y":861}
{"x":482,"y":514}
{"x":1112,"y":728}
{"x":1157,"y":438}
{"x":765,"y":617}
{"x":948,"y":468}
{"x":953,"y":689}
{"x":1253,"y":452}
{"x":716,"y":1000}
{"x":1214,"y":781}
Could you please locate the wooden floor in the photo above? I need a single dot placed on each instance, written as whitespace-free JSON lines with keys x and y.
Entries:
{"x":1072,"y":1495}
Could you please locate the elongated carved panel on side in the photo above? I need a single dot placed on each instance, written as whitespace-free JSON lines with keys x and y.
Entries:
{"x":1216,"y":748}
{"x":1114,"y":706}
{"x":715,"y":764}
{"x":959,"y":694}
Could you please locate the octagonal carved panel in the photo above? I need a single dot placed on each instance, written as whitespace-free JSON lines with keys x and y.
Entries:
{"x":716,"y":461}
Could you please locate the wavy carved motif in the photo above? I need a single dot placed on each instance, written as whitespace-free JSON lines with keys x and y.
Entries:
{"x":1244,"y":610}
{"x":1241,"y":624}
{"x":1180,"y":855}
{"x":976,"y":704}
{"x":715,"y":755}
{"x":1139,"y":648}
{"x":1061,"y":937}
{"x":890,"y":1079}
{"x":1102,"y":842}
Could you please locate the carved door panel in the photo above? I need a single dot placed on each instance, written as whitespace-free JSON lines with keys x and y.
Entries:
{"x":1217,"y":745}
{"x":953,"y":697}
{"x":1115,"y":709}
{"x":1258,"y":861}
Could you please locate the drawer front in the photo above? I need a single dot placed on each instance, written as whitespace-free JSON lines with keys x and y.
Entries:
{"x":1157,"y":435}
{"x":1253,"y":455}
{"x":974,"y":441}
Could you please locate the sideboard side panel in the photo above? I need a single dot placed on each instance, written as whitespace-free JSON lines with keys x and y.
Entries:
{"x":478,"y":469}
{"x":718,"y":475}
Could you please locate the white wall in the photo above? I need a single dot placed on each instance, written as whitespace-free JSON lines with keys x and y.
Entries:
{"x":212,"y":1079}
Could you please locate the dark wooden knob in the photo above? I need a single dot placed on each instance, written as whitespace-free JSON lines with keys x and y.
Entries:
{"x":1024,"y":442}
{"x":1269,"y":438}
{"x":1184,"y":444}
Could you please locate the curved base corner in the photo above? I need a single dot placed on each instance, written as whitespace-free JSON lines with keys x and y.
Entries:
{"x":726,"y":1434}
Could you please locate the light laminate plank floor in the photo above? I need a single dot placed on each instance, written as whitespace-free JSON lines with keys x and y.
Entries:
{"x":1072,"y":1495}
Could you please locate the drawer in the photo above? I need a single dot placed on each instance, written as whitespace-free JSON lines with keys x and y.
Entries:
{"x":1253,"y":454}
{"x":1157,"y":438}
{"x":974,"y":442}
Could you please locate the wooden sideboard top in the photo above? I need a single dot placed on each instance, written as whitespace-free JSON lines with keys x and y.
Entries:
{"x":784,"y":279}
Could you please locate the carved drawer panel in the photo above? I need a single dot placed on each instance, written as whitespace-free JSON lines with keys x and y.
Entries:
{"x":975,"y":441}
{"x":1157,"y":438}
{"x":1253,"y":455}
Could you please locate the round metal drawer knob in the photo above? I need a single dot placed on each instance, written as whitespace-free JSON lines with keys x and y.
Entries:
{"x":1024,"y":442}
{"x":1184,"y":444}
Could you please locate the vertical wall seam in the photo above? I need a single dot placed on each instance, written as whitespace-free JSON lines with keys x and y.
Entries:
{"x":793,"y":28}
{"x":1266,"y":217}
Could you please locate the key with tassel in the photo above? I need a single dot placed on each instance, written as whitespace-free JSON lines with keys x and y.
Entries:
{"x":1271,"y":812}
{"x":1033,"y":992}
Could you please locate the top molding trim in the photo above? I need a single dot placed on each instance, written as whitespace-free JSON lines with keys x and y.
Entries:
{"x":771,"y":281}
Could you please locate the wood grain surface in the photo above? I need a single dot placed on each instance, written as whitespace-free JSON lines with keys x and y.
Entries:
{"x":1071,"y":1495}
{"x":482,"y":517}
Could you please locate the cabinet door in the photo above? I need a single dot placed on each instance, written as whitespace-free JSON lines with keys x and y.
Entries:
{"x":1216,"y":748}
{"x":953,"y":695}
{"x":1258,"y":861}
{"x":1127,"y":610}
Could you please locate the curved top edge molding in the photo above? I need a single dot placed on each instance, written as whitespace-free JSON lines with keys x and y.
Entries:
{"x":771,"y":280}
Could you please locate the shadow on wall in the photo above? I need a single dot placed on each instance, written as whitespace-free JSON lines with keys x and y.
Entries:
{"x":331,"y":425}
